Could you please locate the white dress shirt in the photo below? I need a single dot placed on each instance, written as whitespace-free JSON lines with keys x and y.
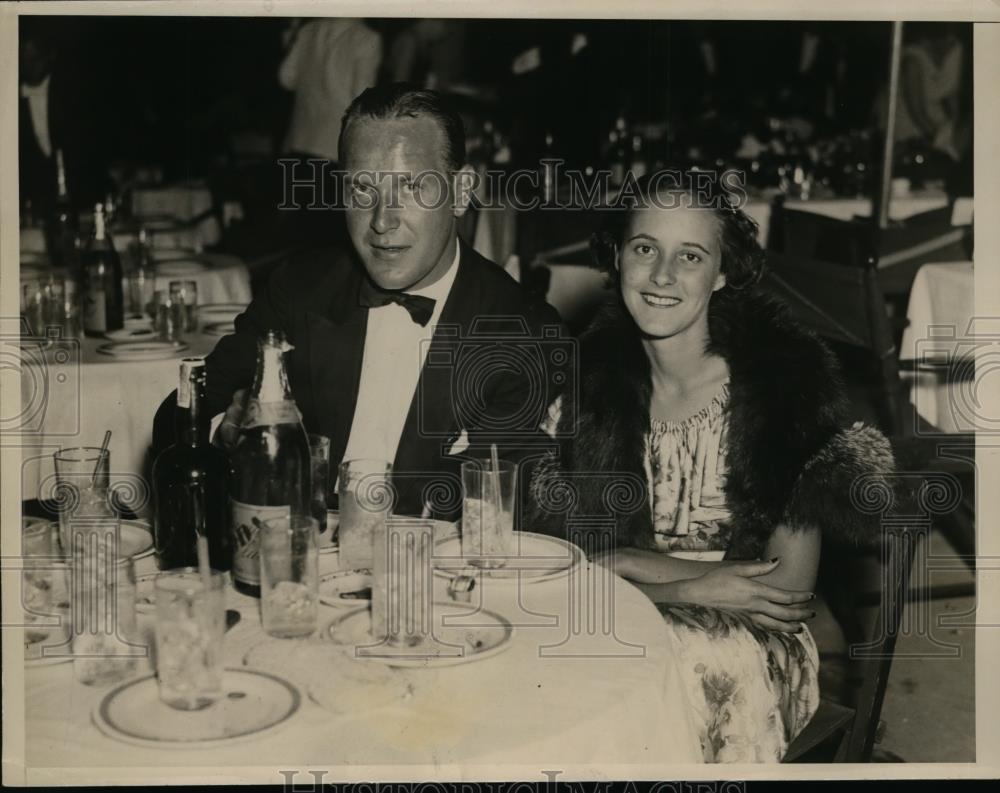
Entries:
{"x":38,"y":103}
{"x":395,"y":349}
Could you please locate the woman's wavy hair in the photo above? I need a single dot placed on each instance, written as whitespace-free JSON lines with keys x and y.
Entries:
{"x":743,"y":259}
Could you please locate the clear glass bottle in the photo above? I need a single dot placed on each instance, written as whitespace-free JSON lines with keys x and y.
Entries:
{"x":271,"y":462}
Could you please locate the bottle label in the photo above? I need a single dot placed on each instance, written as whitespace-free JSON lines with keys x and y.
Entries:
{"x":246,"y":543}
{"x":95,"y":311}
{"x":266,"y":414}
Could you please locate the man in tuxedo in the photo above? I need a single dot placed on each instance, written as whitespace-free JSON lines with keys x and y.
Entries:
{"x":409,"y":347}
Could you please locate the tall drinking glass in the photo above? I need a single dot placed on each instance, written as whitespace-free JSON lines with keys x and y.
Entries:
{"x":81,"y":494}
{"x":319,"y":454}
{"x":141,"y":287}
{"x":105,"y":638}
{"x":365,"y":501}
{"x":190,"y":624}
{"x":402,"y":582}
{"x":167,"y":320}
{"x":488,"y":512}
{"x":289,"y":576}
{"x":184,"y":297}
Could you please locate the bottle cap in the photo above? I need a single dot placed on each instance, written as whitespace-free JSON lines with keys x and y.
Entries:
{"x":188,"y":367}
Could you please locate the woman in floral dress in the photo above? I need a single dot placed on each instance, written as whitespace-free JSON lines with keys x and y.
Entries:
{"x":705,"y":389}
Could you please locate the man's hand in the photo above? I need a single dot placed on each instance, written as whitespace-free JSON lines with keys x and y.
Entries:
{"x":731,"y":586}
{"x":229,"y":430}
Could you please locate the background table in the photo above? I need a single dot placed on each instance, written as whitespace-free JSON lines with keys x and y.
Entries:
{"x":221,"y":278}
{"x":185,"y":201}
{"x":941,"y":307}
{"x":73,"y":394}
{"x":521,"y":707}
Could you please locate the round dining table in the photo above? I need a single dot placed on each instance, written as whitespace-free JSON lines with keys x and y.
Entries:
{"x":587,"y":684}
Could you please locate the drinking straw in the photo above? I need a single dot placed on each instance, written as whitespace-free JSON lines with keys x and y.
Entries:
{"x":100,"y":458}
{"x":495,"y":476}
{"x":202,"y":541}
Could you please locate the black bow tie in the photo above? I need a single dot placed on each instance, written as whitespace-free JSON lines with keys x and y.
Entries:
{"x":421,"y":308}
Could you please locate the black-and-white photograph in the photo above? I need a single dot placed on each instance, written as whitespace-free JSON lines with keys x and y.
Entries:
{"x":475,"y":398}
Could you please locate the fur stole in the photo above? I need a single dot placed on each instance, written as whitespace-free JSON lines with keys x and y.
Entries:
{"x":790,"y":459}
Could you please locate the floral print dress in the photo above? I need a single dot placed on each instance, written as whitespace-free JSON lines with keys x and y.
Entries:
{"x":752,"y":689}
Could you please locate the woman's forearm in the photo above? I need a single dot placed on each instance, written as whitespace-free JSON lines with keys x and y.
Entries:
{"x":653,"y":567}
{"x":674,"y":592}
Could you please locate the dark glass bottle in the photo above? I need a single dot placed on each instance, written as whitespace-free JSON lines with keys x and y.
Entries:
{"x":271,"y":464}
{"x":103,"y":300}
{"x":191,"y":481}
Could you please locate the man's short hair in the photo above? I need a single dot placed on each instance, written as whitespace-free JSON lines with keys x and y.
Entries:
{"x":405,"y":100}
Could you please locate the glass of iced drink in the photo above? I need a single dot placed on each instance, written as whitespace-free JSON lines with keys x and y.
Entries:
{"x":289,"y":576}
{"x":105,"y":638}
{"x":319,"y":455}
{"x":365,"y":501}
{"x":80,"y":492}
{"x":402,"y":582}
{"x":488,"y":512}
{"x":184,"y":299}
{"x":44,"y":591}
{"x":190,"y":624}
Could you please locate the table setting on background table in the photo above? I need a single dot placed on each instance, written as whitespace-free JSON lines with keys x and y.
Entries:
{"x":70,"y":382}
{"x":551,"y":650}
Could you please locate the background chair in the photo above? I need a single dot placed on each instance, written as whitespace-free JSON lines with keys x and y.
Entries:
{"x":843,"y":303}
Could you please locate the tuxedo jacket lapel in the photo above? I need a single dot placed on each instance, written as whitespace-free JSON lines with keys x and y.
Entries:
{"x":431,"y":426}
{"x":336,"y":347}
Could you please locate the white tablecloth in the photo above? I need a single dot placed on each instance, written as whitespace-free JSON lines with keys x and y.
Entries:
{"x":942,"y":304}
{"x":184,"y":201}
{"x":77,"y":394}
{"x":549,"y":702}
{"x":221,"y":279}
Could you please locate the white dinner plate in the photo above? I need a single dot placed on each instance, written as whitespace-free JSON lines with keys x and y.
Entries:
{"x":135,"y":539}
{"x":152,"y":350}
{"x":464,"y":636}
{"x":254,"y":704}
{"x":137,"y":330}
{"x":327,"y":543}
{"x":535,"y":558}
{"x":38,"y":637}
{"x":220,"y":312}
{"x":145,"y":593}
{"x":348,"y":588}
{"x":219,"y":329}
